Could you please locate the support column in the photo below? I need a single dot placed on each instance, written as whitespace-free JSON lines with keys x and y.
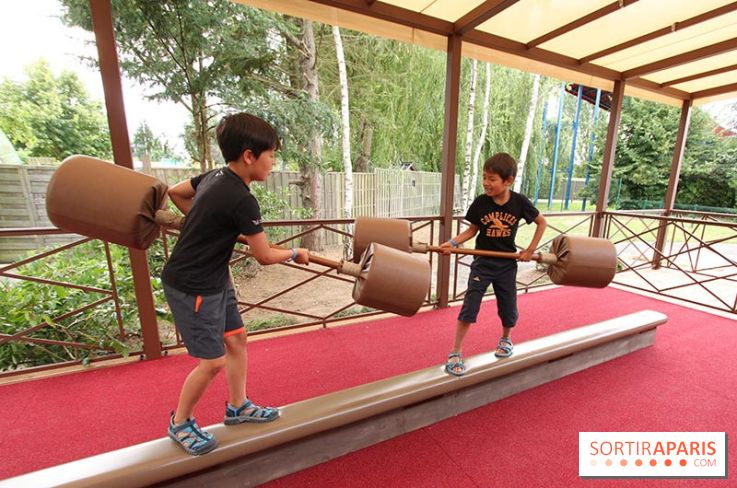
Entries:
{"x":610,"y":148}
{"x":102,"y":21}
{"x":450,"y":141}
{"x":675,"y":171}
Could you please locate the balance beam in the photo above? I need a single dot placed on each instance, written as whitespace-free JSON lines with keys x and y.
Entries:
{"x":313,"y":431}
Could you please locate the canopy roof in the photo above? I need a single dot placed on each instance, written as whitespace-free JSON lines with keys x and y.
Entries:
{"x":665,"y":50}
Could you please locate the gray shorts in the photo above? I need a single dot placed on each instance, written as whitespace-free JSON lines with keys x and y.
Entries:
{"x":204,"y":321}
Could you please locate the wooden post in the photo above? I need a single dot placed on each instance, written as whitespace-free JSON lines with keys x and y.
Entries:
{"x":102,"y":21}
{"x":675,"y":171}
{"x":610,"y":149}
{"x":450,"y":141}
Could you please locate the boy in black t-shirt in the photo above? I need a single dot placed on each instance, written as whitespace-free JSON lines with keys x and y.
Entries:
{"x":495,"y":216}
{"x":219,"y":207}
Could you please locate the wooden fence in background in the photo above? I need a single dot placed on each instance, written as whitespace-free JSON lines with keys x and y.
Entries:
{"x":383,"y":193}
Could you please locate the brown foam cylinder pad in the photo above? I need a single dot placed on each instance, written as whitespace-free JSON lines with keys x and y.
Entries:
{"x":392,"y":280}
{"x":583,"y":261}
{"x":99,"y":199}
{"x":395,"y":233}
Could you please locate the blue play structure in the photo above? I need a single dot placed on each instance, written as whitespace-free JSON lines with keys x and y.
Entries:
{"x":602,"y":100}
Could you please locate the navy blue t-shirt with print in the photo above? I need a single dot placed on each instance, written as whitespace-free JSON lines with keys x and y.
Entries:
{"x":498,"y":223}
{"x":223,"y":208}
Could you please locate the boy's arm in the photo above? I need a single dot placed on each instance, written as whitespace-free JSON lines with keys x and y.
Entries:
{"x":462,"y":237}
{"x":182,"y":194}
{"x":265,"y":254}
{"x":541,"y":224}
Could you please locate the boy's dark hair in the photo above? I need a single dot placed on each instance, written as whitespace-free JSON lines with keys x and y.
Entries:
{"x":502,"y":164}
{"x":240,"y":131}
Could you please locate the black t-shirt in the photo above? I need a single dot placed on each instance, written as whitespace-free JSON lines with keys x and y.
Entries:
{"x":223,"y":208}
{"x":498,"y":223}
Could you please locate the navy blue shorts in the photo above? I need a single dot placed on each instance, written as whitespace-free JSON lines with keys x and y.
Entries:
{"x":204,"y":321}
{"x":502,"y":275}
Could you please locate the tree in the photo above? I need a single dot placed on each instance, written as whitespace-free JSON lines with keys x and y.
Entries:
{"x":645,"y":150}
{"x":482,"y":138}
{"x":466,"y":188}
{"x":187,"y":51}
{"x":397,"y":93}
{"x":148,"y":147}
{"x":528,"y":133}
{"x":50,"y":116}
{"x":346,"y":137}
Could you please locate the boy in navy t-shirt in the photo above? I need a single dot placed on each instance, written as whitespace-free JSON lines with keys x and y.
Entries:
{"x":494,"y":216}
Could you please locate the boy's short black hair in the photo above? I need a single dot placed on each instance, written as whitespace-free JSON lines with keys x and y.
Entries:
{"x":240,"y":131}
{"x":502,"y":164}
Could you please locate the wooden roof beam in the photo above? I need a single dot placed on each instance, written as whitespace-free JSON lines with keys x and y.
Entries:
{"x":606,"y":10}
{"x":391,"y":13}
{"x":481,"y":14}
{"x":537,"y":54}
{"x":661,"y":32}
{"x":698,"y":76}
{"x":683,"y":58}
{"x":712,"y":92}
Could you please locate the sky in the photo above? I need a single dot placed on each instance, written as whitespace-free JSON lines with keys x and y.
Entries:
{"x":31,"y":30}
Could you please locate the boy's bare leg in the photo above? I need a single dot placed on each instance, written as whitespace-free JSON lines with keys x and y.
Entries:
{"x":461,"y":331}
{"x":236,"y":367}
{"x":455,"y":362}
{"x":195,"y":385}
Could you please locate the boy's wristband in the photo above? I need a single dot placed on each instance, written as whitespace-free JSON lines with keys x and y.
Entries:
{"x":294,"y":254}
{"x":453,"y":243}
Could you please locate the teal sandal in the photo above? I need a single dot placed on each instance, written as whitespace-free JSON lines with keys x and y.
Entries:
{"x":249,"y":412}
{"x":191,"y":437}
{"x":505,"y":346}
{"x":455,"y":368}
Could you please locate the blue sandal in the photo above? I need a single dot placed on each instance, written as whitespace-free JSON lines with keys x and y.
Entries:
{"x":191,"y":437}
{"x":249,"y":412}
{"x":456,"y":368}
{"x":506,"y":347}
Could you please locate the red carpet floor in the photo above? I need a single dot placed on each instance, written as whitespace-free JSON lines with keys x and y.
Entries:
{"x":686,"y":382}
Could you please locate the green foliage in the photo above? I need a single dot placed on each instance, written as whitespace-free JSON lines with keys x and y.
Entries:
{"x":395,"y":89}
{"x":188,"y":51}
{"x":296,"y":119}
{"x":24,"y":304}
{"x":271,"y":322}
{"x":645,"y":150}
{"x":146,"y":144}
{"x":275,"y":206}
{"x":52,"y":116}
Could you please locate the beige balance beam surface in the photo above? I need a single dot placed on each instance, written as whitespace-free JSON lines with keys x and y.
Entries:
{"x":161,"y":460}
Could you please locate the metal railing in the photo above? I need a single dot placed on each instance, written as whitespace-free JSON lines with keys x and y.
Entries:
{"x":696,"y":262}
{"x":289,"y":233}
{"x":49,"y":331}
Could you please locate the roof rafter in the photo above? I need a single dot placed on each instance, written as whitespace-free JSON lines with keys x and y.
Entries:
{"x":711,"y":92}
{"x":683,"y":58}
{"x":605,"y":10}
{"x":661,"y":32}
{"x":466,"y":28}
{"x":537,"y":54}
{"x":698,"y":76}
{"x":481,"y":14}
{"x":398,"y":15}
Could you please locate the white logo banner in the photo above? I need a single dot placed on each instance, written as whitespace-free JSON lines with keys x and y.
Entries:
{"x":652,"y":454}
